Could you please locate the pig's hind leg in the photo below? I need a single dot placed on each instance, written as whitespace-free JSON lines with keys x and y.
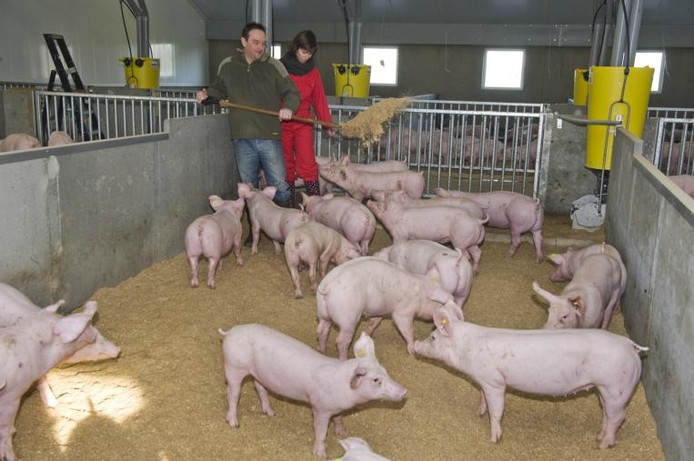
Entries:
{"x":234,"y":380}
{"x":494,"y":398}
{"x":193,"y":262}
{"x":264,"y":399}
{"x":613,"y":415}
{"x":212,"y":264}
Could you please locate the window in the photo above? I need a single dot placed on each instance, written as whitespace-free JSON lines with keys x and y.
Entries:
{"x":652,"y":59}
{"x":165,"y":53}
{"x":384,"y":64}
{"x":503,"y":69}
{"x":276,"y":51}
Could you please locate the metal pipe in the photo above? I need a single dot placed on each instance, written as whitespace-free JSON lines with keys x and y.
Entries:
{"x":635,"y":15}
{"x":354,"y":26}
{"x":139,"y":9}
{"x":620,"y":34}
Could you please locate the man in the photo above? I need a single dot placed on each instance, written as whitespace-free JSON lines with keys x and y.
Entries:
{"x":253,"y":78}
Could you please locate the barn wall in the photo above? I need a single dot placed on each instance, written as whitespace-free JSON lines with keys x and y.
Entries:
{"x":651,"y":222}
{"x":88,"y":215}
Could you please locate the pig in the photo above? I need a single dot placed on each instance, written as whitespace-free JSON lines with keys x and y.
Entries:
{"x":568,"y":262}
{"x":509,"y":210}
{"x":15,"y":306}
{"x":18,"y":141}
{"x":29,"y":349}
{"x":356,"y":449}
{"x":373,"y":288}
{"x":326,"y":187}
{"x":214,"y":236}
{"x":344,"y":214}
{"x":470,"y":207}
{"x":543,"y":362}
{"x":315,"y":244}
{"x":450,"y":268}
{"x":59,"y":138}
{"x":297,"y":372}
{"x":362,"y":184}
{"x":590,"y":298}
{"x":439,"y":224}
{"x":684,"y":182}
{"x":267,"y":216}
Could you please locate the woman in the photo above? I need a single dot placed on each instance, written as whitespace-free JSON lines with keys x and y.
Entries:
{"x":297,"y":137}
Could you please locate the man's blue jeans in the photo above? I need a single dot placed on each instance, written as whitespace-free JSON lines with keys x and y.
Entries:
{"x":253,"y":154}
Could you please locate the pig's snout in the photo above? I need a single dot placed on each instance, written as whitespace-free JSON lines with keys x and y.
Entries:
{"x":396,"y":392}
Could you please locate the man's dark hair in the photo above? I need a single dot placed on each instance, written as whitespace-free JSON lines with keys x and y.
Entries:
{"x":251,"y":26}
{"x":306,"y":40}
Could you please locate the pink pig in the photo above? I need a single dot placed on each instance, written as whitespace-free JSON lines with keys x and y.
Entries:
{"x":509,"y":210}
{"x":440,"y":224}
{"x":293,"y":370}
{"x":273,"y":220}
{"x":450,"y":268}
{"x":361,"y":184}
{"x":568,"y":262}
{"x":315,"y":245}
{"x":18,"y":141}
{"x":590,"y":298}
{"x":469,"y":206}
{"x":59,"y":138}
{"x":14,"y":306}
{"x":29,"y":349}
{"x":344,"y":214}
{"x":357,"y":449}
{"x":326,"y":187}
{"x":543,"y":362}
{"x":214,"y":236}
{"x":684,"y":182}
{"x":373,"y":288}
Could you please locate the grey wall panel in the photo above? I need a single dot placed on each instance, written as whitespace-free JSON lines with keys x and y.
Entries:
{"x":655,"y":237}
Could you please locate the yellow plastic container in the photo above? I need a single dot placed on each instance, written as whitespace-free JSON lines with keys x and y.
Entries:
{"x":142,"y":73}
{"x":580,"y":87}
{"x":352,"y":80}
{"x":604,"y":93}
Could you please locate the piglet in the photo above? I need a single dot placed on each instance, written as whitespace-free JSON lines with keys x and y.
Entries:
{"x":543,"y":362}
{"x":59,"y":138}
{"x":214,"y":236}
{"x":18,"y":141}
{"x":590,"y":298}
{"x":356,"y":449}
{"x":567,"y":263}
{"x":440,"y":224}
{"x":293,"y":370}
{"x":315,"y":245}
{"x":684,"y":182}
{"x":344,"y":214}
{"x":373,"y":288}
{"x":29,"y":349}
{"x":508,"y":210}
{"x":273,"y":220}
{"x":362,"y":184}
{"x":450,"y":268}
{"x":14,"y":306}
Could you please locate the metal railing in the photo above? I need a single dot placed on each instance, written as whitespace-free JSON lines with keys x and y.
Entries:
{"x":474,"y":149}
{"x":674,"y":146}
{"x":88,"y":116}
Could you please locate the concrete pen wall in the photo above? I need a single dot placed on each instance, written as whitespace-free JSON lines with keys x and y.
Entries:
{"x":651,"y":222}
{"x":88,"y":215}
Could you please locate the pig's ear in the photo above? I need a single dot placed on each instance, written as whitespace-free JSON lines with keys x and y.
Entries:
{"x":215,"y":201}
{"x":328,"y":196}
{"x":304,"y":198}
{"x":345,"y":161}
{"x":70,"y":327}
{"x":90,"y":307}
{"x":580,"y":306}
{"x":556,"y":259}
{"x":54,"y":307}
{"x":239,"y":204}
{"x":442,"y":321}
{"x":455,"y":310}
{"x":270,"y":192}
{"x":364,"y":347}
{"x":549,"y":297}
{"x":359,"y":373}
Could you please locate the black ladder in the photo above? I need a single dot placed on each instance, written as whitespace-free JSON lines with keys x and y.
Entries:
{"x":84,"y":128}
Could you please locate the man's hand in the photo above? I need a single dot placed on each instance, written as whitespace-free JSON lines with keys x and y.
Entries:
{"x":285,"y":114}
